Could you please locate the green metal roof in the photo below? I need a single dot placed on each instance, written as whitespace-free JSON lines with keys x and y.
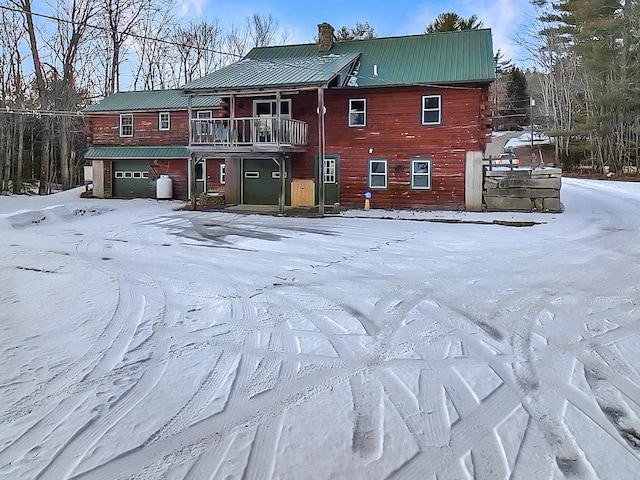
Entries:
{"x":302,"y":66}
{"x":132,"y":153}
{"x":436,"y":58}
{"x":154,"y":100}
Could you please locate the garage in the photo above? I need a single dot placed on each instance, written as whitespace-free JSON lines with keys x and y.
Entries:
{"x":130,"y":172}
{"x":131,"y":179}
{"x":261,"y":182}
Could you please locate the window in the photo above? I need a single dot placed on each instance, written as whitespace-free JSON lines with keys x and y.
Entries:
{"x":269,"y":108}
{"x":126,"y":125}
{"x":223,"y":175}
{"x":164,"y":121}
{"x":431,"y":109}
{"x":421,"y":173}
{"x":377,"y":174}
{"x":329,"y":170}
{"x":357,"y":113}
{"x":251,"y":174}
{"x":204,"y":126}
{"x":200,"y":167}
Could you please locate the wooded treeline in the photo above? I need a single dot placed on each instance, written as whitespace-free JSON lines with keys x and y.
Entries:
{"x":56,"y":60}
{"x":583,"y":71}
{"x":587,"y":80}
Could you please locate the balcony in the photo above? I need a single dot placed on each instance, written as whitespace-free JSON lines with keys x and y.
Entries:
{"x":248,"y":135}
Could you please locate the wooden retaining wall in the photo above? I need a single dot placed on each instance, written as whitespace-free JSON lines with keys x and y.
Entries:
{"x":522,"y":189}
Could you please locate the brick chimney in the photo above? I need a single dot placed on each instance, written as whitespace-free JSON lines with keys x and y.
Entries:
{"x":325,"y":37}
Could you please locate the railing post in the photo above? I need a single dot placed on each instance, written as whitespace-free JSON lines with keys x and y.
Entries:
{"x":190,"y":113}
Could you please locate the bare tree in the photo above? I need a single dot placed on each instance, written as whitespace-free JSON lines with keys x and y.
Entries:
{"x":66,"y":95}
{"x":152,"y":53}
{"x":12,"y":101}
{"x":262,"y":30}
{"x":199,"y":50}
{"x":120,"y":18}
{"x":43,"y":97}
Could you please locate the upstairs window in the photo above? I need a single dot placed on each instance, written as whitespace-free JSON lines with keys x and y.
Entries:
{"x":431,"y":109}
{"x":126,"y":125}
{"x":421,"y":173}
{"x":357,"y":112}
{"x":204,"y":126}
{"x":377,"y":173}
{"x":164,"y":121}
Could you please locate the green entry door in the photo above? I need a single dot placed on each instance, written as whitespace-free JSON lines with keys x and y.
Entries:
{"x":330,"y":174}
{"x":201,"y":175}
{"x":131,"y":179}
{"x":261,"y":182}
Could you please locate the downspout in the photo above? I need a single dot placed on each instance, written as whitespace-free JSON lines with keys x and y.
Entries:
{"x":321,"y":149}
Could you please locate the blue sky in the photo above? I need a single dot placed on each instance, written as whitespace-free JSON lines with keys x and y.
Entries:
{"x":299,"y":18}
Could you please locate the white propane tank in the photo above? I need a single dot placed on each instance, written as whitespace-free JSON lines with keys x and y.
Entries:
{"x":164,"y":187}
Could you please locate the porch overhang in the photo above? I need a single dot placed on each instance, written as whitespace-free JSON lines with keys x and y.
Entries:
{"x":135,"y":152}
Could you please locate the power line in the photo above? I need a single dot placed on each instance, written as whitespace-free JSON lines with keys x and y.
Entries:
{"x":220,"y":52}
{"x":106,"y":29}
{"x":40,"y":113}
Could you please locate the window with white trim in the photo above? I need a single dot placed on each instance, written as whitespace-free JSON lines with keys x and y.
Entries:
{"x":377,"y":173}
{"x":420,"y":173}
{"x":164,"y":121}
{"x":204,"y":115}
{"x":329,"y":170}
{"x":126,"y":125}
{"x":431,"y":109}
{"x":357,"y":112}
{"x":223,"y":175}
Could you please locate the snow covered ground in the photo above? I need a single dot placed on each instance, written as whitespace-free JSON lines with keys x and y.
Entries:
{"x":142,"y":342}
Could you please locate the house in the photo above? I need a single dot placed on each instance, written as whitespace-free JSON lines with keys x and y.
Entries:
{"x":402,"y":118}
{"x":135,"y":137}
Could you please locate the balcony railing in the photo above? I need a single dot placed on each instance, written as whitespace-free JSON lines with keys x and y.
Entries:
{"x":268,"y":132}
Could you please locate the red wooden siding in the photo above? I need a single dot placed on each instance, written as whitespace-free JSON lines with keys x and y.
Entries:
{"x":105,"y":129}
{"x":213,"y":174}
{"x":394,"y":132}
{"x":178,"y":171}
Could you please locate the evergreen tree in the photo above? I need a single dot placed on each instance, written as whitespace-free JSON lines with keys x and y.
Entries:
{"x":517,"y":96}
{"x":362,"y":31}
{"x":452,"y":22}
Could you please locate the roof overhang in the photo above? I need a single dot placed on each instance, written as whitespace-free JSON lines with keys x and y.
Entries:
{"x":136,"y":153}
{"x":259,"y":76}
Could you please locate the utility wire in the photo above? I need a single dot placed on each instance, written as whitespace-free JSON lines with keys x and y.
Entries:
{"x":109,"y":30}
{"x":389,"y":82}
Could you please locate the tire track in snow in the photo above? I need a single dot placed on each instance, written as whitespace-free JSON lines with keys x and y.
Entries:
{"x":73,"y":452}
{"x":97,"y":356}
